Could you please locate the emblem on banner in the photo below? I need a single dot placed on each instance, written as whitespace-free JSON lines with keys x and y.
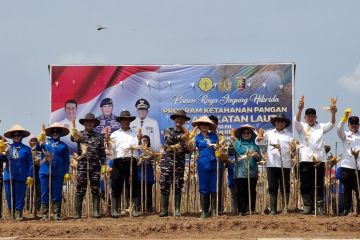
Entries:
{"x":240,"y":83}
{"x":206,"y":84}
{"x":224,"y":85}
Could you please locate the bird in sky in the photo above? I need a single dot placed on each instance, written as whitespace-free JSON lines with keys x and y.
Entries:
{"x":99,"y":27}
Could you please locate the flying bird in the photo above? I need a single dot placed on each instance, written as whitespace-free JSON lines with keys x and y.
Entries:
{"x":99,"y":27}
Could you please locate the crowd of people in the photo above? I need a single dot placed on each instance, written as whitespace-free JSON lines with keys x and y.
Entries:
{"x":130,"y":153}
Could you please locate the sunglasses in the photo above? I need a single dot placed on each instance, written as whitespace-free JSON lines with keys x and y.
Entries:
{"x":17,"y":135}
{"x":246,"y":132}
{"x":55,"y":131}
{"x":353,"y":123}
{"x":280,"y":120}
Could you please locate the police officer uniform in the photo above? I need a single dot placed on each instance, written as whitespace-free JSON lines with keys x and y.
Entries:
{"x":149,"y":126}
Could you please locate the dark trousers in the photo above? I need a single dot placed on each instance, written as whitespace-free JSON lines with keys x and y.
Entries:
{"x":274,"y":177}
{"x":307,"y":183}
{"x":147,"y":203}
{"x":348,"y":179}
{"x":121,"y":174}
{"x":242,"y":194}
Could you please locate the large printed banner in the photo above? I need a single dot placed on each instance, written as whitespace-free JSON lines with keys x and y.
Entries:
{"x":236,"y":94}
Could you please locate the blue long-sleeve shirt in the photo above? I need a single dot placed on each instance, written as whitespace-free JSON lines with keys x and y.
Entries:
{"x":21,"y":162}
{"x":207,"y":160}
{"x":59,"y":156}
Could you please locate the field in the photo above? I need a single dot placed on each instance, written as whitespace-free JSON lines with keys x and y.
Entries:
{"x":187,"y":227}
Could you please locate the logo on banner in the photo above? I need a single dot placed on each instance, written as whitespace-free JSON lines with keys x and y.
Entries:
{"x":206,"y":84}
{"x":224,"y":85}
{"x":240,"y":83}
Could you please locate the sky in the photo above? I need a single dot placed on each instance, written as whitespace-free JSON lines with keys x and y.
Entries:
{"x":321,"y":37}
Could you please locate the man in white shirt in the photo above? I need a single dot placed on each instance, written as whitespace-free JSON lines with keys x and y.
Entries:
{"x":149,"y":126}
{"x":121,"y":140}
{"x":351,"y":142}
{"x":70,"y":108}
{"x":312,"y":156}
{"x":278,"y":165}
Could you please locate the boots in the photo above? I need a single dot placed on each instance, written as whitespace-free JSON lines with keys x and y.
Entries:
{"x":115,"y":204}
{"x":164,"y":205}
{"x":233,"y":199}
{"x":177,"y":205}
{"x":18,"y":215}
{"x":134,"y":210}
{"x":96,"y":206}
{"x":307,"y":204}
{"x":214,"y":213}
{"x":204,"y":201}
{"x":283,"y":203}
{"x":57,"y":210}
{"x":320,"y":207}
{"x":273,"y":204}
{"x":78,"y":206}
{"x":44,"y":211}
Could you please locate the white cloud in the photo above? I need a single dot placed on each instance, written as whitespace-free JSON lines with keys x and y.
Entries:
{"x":351,"y":81}
{"x":81,"y":58}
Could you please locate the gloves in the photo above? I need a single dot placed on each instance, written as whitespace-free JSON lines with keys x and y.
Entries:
{"x":74,"y":132}
{"x":67,"y":177}
{"x":41,"y":137}
{"x":2,"y":146}
{"x":217,"y":154}
{"x":346,"y":115}
{"x":29,"y":181}
{"x":103,"y":169}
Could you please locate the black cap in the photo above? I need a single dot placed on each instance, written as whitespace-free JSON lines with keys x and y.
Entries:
{"x":214,"y":118}
{"x":142,"y":104}
{"x":106,"y":101}
{"x":310,"y":111}
{"x":353,"y":119}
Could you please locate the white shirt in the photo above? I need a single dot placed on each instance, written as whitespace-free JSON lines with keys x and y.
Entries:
{"x":121,"y":140}
{"x":350,"y":141}
{"x":148,"y":127}
{"x":312,"y":140}
{"x":283,"y":138}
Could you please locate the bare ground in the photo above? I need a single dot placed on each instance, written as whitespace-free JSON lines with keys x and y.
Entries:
{"x":187,"y":227}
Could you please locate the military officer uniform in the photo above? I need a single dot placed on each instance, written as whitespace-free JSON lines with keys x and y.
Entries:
{"x":95,"y":157}
{"x":149,"y":126}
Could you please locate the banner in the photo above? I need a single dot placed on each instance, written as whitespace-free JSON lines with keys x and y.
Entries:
{"x":236,"y":94}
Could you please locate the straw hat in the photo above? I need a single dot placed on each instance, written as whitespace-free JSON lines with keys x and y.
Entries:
{"x":89,"y":117}
{"x":125,"y":115}
{"x":16,"y":128}
{"x":243,"y":127}
{"x":56,"y":125}
{"x":179,"y":113}
{"x":204,"y":120}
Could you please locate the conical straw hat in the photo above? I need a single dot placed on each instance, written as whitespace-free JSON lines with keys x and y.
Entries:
{"x":64,"y":130}
{"x":206,"y":120}
{"x":17,"y":128}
